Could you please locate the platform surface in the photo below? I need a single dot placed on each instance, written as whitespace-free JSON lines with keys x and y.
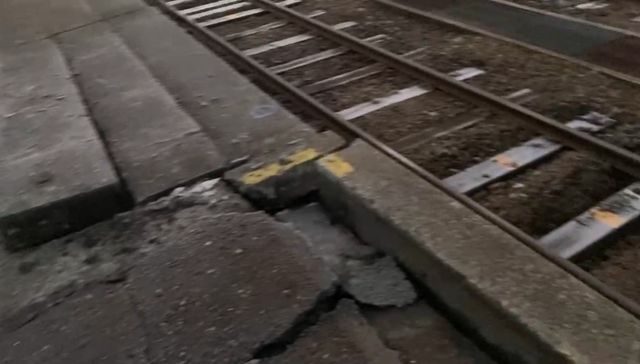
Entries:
{"x":131,"y":118}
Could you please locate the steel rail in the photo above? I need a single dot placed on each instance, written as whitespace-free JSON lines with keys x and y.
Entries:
{"x":351,"y":131}
{"x":616,"y":156}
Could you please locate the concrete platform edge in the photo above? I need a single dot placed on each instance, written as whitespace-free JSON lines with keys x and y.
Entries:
{"x":516,"y":326}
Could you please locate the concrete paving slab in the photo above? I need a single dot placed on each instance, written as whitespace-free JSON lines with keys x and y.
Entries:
{"x":157,"y":168}
{"x":242,"y":120}
{"x":66,"y":302}
{"x":226,"y":286}
{"x":52,"y":162}
{"x":48,"y":195}
{"x":105,"y":251}
{"x":156,"y":146}
{"x":379,"y":282}
{"x":209,"y":288}
{"x":40,"y":105}
{"x":502,"y":288}
{"x":113,"y":8}
{"x":93,"y":325}
{"x":23,"y":21}
{"x":341,"y":336}
{"x":421,"y":335}
{"x":366,"y":274}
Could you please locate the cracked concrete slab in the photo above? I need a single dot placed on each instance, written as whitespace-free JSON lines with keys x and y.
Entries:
{"x":104,"y":251}
{"x":223,"y":286}
{"x":379,"y":282}
{"x":23,"y":21}
{"x":341,"y":336}
{"x":364,"y":272}
{"x":332,"y":242}
{"x":188,"y":284}
{"x":114,"y":8}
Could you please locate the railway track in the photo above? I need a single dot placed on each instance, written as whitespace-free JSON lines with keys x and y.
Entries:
{"x":364,"y":83}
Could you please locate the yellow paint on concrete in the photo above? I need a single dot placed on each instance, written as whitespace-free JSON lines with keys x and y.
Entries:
{"x":275,"y":169}
{"x":608,"y":218}
{"x":336,"y":165}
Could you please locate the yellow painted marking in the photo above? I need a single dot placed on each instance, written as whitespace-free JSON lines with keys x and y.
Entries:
{"x":275,"y":169}
{"x":505,"y":161}
{"x":608,"y":218}
{"x":336,"y":165}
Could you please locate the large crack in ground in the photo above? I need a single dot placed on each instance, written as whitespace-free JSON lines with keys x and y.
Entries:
{"x":367,"y":274}
{"x":364,"y":276}
{"x":326,"y":302}
{"x":365,"y":279}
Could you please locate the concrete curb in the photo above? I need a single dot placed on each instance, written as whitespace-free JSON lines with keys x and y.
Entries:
{"x":274,"y":180}
{"x":525,"y":306}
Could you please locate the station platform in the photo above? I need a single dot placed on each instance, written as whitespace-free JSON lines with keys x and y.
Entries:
{"x":96,"y":118}
{"x":158,"y":207}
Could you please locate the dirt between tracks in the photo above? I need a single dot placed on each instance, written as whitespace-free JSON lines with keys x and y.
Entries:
{"x":557,"y":84}
{"x":543,"y":198}
{"x":365,"y":90}
{"x":617,"y":265}
{"x":450,"y":154}
{"x":617,"y":13}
